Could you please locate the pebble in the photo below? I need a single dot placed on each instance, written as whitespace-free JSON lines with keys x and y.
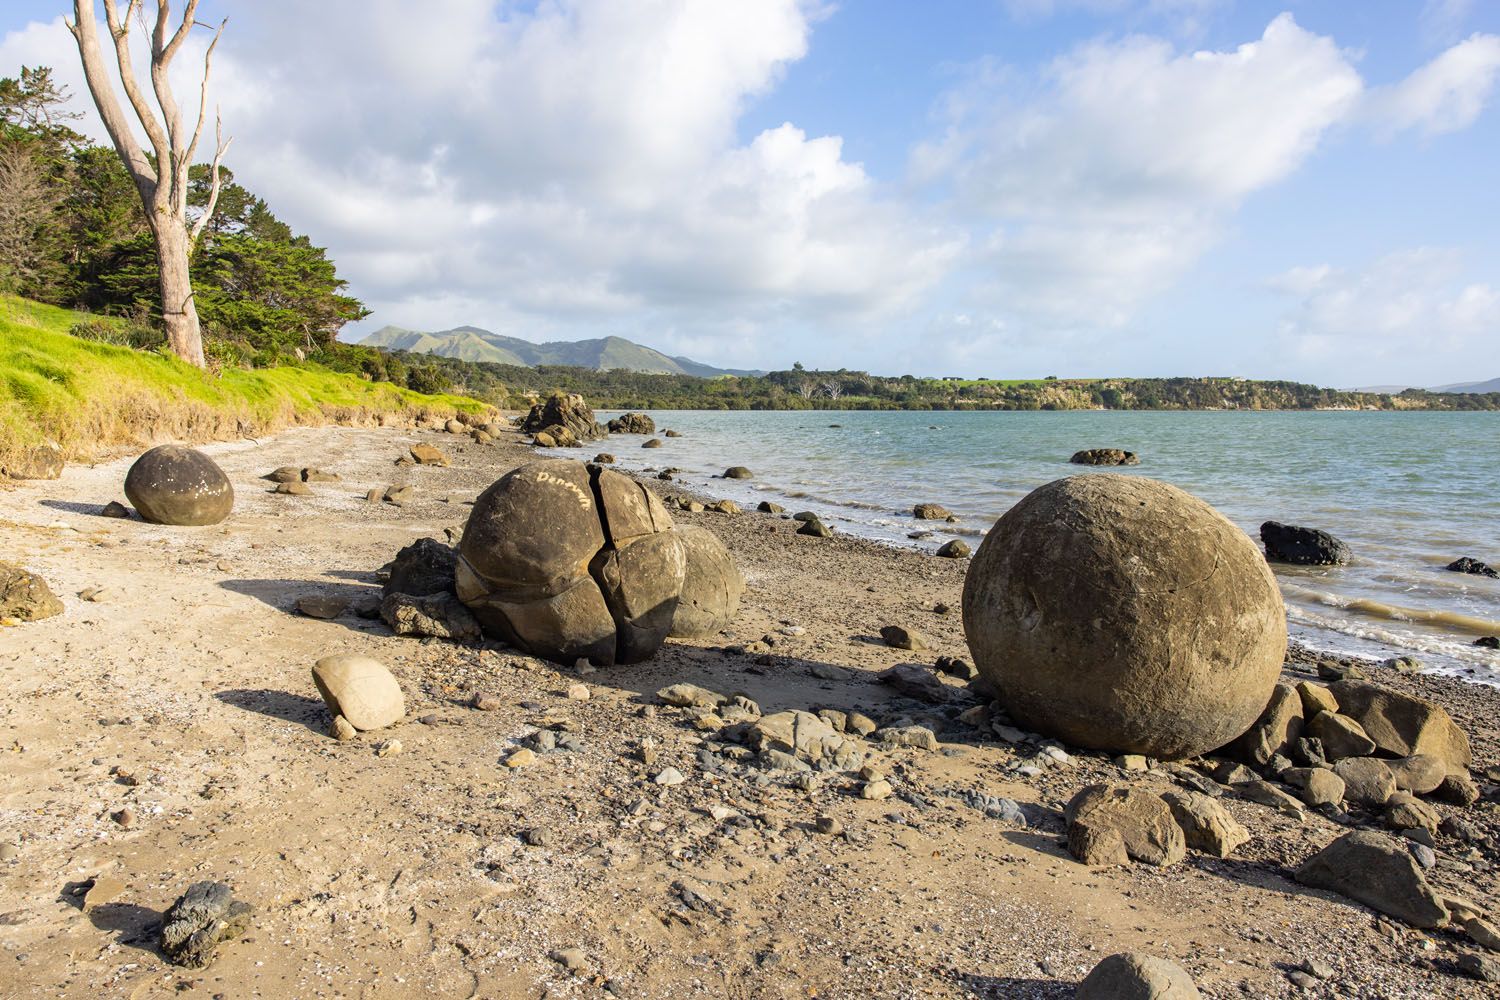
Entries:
{"x":389,"y":748}
{"x":876,"y":790}
{"x":572,"y":959}
{"x":578,"y":692}
{"x":9,"y":852}
{"x":1423,"y":855}
{"x":669,"y":776}
{"x":124,"y":817}
{"x":829,"y":825}
{"x":520,"y":758}
{"x":486,"y":702}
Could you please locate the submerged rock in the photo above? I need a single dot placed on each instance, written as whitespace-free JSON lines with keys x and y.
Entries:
{"x":1468,"y":565}
{"x":931,"y":512}
{"x":632,"y":423}
{"x":1084,"y":610}
{"x":1104,"y":456}
{"x":1289,"y":543}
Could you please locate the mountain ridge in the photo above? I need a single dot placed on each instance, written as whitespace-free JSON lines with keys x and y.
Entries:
{"x":472,"y":343}
{"x":1490,"y":385}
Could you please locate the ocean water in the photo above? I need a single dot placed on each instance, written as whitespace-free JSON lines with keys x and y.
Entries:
{"x":1409,"y":493}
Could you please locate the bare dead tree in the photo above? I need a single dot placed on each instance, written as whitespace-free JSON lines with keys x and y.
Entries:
{"x":162,"y":178}
{"x":807,"y":388}
{"x":832,"y":390}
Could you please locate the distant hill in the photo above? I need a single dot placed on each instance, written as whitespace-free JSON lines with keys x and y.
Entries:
{"x":470,"y":343}
{"x":1493,"y":385}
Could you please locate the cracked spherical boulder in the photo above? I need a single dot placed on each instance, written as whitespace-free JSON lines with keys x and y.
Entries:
{"x":1123,"y":614}
{"x":174,"y":485}
{"x":571,"y":561}
{"x":711,"y":588}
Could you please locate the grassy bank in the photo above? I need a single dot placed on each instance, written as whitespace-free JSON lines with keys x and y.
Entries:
{"x":91,"y":398}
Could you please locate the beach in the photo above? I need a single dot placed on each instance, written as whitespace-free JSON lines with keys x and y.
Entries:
{"x":182,"y":694}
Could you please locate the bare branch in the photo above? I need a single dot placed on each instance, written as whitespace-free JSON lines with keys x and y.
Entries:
{"x":208,"y":63}
{"x":121,"y":34}
{"x":182,"y":30}
{"x":85,"y":30}
{"x":221,"y":146}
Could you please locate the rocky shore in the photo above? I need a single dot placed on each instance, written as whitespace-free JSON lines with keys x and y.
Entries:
{"x":534,"y":831}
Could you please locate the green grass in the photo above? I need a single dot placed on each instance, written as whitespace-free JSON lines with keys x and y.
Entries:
{"x":90,"y":397}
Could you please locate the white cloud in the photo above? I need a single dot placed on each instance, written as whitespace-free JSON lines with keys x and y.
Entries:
{"x":1417,"y":305}
{"x":1445,"y":95}
{"x":1122,"y":169}
{"x":545,"y":168}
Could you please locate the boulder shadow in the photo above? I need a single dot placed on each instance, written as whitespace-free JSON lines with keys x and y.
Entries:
{"x":134,"y":926}
{"x":283,"y":595}
{"x":283,"y":705}
{"x":91,"y":509}
{"x":1016,"y":988}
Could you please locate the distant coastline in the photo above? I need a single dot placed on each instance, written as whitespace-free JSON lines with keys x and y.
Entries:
{"x":518,"y":386}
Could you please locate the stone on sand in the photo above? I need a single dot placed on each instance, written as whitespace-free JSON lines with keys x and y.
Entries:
{"x":178,"y":486}
{"x":360,"y":689}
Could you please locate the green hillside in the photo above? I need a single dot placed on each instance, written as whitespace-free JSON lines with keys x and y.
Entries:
{"x":91,"y":397}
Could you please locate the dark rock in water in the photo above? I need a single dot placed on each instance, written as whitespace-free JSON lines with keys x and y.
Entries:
{"x":815,"y":528}
{"x":671,"y":434}
{"x":1302,"y":546}
{"x":1467,"y":565}
{"x":767,"y":507}
{"x":201,"y":919}
{"x":604,"y":458}
{"x":1373,"y":869}
{"x":538,"y":570}
{"x":955,"y":549}
{"x":1104,"y":456}
{"x":711,"y":585}
{"x":25,"y":595}
{"x":438,"y":615}
{"x":424,"y":567}
{"x":179,"y":486}
{"x":653,"y":443}
{"x":1084,"y":608}
{"x":738,"y":472}
{"x":1137,"y":976}
{"x":632,"y":423}
{"x":1488,"y":641}
{"x":42,"y":462}
{"x":115,"y":509}
{"x":930,"y":512}
{"x":567,"y":411}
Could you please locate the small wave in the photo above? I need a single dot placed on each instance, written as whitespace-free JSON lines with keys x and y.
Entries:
{"x":1395,"y":612}
{"x":1456,"y":657}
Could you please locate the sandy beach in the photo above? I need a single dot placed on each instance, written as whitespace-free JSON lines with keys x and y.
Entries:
{"x":182,"y":694}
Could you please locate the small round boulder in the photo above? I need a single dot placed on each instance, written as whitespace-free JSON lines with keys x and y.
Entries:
{"x":1123,"y":614}
{"x":569,"y":561}
{"x":711,"y":586}
{"x":175,"y":485}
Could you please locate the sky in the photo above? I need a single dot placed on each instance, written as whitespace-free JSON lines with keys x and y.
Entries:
{"x":985,"y":188}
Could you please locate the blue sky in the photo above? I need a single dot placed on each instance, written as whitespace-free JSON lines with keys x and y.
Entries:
{"x":981,"y":187}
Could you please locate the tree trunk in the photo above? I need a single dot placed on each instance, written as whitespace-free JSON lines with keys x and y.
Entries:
{"x":179,"y":313}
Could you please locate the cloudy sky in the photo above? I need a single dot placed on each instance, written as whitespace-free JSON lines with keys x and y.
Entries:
{"x":1010,"y":188}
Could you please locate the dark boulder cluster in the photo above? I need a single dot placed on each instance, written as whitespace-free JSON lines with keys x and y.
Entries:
{"x":1466,"y":564}
{"x":1105,"y":456}
{"x":632,"y":423}
{"x":566,"y":561}
{"x":562,"y":421}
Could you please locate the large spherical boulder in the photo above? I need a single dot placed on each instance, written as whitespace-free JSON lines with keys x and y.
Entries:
{"x":174,"y":485}
{"x":711,"y":587}
{"x":1124,"y":614}
{"x":570,"y":561}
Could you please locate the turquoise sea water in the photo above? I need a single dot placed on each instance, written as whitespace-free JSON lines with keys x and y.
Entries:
{"x":1409,"y":492}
